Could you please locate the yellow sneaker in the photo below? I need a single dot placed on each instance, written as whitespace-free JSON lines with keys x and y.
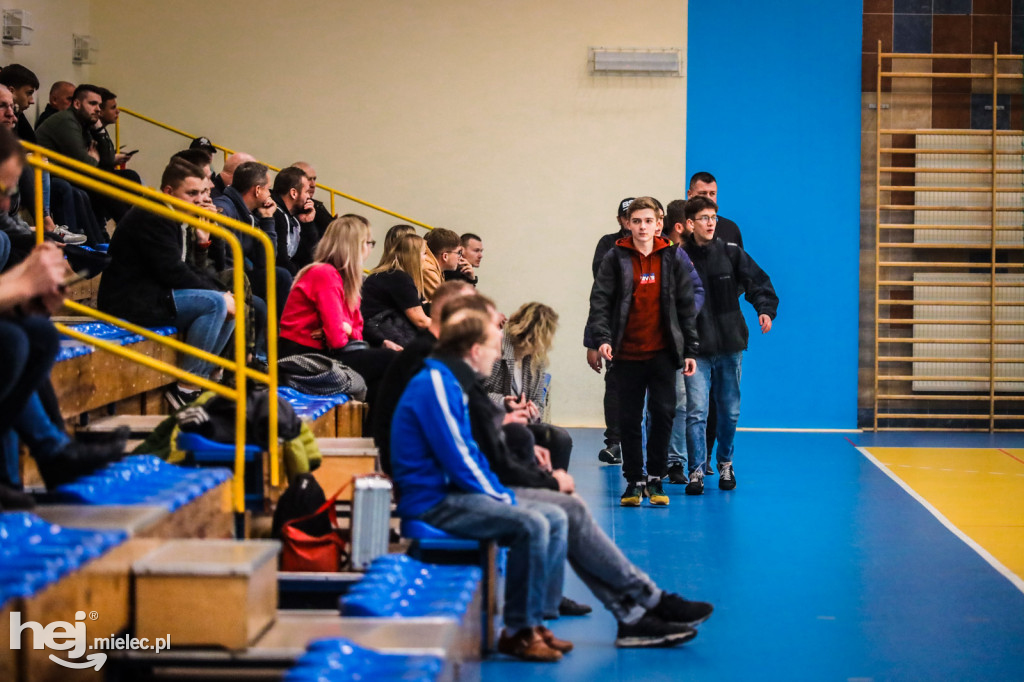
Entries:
{"x":632,"y":496}
{"x":656,"y":493}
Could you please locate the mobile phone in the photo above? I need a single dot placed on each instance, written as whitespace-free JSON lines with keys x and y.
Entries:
{"x":131,"y":153}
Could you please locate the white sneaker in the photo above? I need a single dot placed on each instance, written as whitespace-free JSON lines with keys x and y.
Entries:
{"x":67,"y":236}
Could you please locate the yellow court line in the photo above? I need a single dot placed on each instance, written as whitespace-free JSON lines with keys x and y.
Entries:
{"x":979,"y":490}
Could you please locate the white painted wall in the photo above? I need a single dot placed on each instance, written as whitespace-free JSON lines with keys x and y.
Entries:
{"x":49,"y":54}
{"x":477,"y":116}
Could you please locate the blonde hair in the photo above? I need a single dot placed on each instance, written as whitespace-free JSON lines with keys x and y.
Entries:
{"x":531,"y":330}
{"x":407,"y":256}
{"x":342,"y":247}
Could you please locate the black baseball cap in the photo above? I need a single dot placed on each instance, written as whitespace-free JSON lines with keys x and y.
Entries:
{"x":204,"y":144}
{"x":624,"y":206}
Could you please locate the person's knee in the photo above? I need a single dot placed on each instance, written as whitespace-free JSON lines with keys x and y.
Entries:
{"x":43,"y":337}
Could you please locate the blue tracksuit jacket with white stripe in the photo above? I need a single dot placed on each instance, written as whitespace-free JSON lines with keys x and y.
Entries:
{"x":432,"y":448}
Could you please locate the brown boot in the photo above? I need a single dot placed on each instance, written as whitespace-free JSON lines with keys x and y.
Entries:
{"x":529,"y":645}
{"x":563,"y":645}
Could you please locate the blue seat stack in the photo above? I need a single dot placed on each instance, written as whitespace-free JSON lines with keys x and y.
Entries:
{"x":73,"y":348}
{"x":143,"y":479}
{"x":35,"y":554}
{"x":331,"y":660}
{"x":397,"y":586}
{"x":311,"y":407}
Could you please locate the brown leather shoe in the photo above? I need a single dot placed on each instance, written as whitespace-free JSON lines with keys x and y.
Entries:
{"x":528,"y":645}
{"x":563,"y":645}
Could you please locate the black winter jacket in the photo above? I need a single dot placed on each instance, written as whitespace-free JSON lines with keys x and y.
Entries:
{"x":724,"y":269}
{"x":612,"y":296}
{"x":146,"y":265}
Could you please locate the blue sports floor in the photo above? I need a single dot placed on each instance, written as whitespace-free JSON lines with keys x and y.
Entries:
{"x":820,"y":567}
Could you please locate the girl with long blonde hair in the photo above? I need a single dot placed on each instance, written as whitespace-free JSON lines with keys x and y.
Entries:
{"x":322,"y":312}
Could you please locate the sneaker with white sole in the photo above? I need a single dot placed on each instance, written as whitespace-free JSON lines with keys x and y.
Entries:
{"x":651,"y":631}
{"x":67,"y":236}
{"x":726,"y":476}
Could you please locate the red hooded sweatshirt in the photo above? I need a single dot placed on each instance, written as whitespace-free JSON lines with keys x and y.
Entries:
{"x":644,"y":335}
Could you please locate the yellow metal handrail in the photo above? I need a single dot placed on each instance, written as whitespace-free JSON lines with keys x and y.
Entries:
{"x":227,"y":151}
{"x":172,"y":208}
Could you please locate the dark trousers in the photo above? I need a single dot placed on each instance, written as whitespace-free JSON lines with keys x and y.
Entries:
{"x":27,"y":349}
{"x":611,"y":407}
{"x":522,"y":437}
{"x":282,"y":285}
{"x":655,"y":378}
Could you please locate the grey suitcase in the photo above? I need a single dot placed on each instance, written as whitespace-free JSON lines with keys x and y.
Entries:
{"x":371,"y":519}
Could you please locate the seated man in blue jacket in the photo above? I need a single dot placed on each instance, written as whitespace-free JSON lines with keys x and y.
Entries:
{"x":445,"y":481}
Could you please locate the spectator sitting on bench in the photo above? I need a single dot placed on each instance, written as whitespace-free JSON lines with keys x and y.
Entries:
{"x":60,"y":99}
{"x":150,"y":281}
{"x":322,"y":312}
{"x":223,"y":180}
{"x":444,"y":481}
{"x":293,"y":221}
{"x":442,"y":254}
{"x":391,"y":239}
{"x":392,"y":304}
{"x":517,"y":380}
{"x":248,"y":201}
{"x":322,"y":218}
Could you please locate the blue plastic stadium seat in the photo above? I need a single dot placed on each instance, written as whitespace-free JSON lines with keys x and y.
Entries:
{"x":206,"y":451}
{"x":73,"y":348}
{"x":430,"y":537}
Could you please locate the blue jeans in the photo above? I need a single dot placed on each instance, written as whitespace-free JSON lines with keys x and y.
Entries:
{"x":723,"y":372}
{"x":534,"y":532}
{"x":203,"y":315}
{"x":41,"y":436}
{"x":623,"y":588}
{"x":677,"y":441}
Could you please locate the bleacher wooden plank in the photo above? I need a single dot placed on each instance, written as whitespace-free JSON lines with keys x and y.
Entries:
{"x":341,"y":462}
{"x":350,"y":419}
{"x":91,"y":381}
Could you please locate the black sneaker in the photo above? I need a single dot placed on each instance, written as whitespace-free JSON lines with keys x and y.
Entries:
{"x":651,"y":631}
{"x":696,"y":484}
{"x":727,"y":478}
{"x":177,"y":398}
{"x":676,"y":474}
{"x":611,"y":454}
{"x":77,"y":460}
{"x":568,"y":607}
{"x":674,"y":609}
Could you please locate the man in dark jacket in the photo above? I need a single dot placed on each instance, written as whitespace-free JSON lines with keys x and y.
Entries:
{"x":293,"y":221}
{"x":323,"y":217}
{"x":150,"y":282}
{"x":247,"y":199}
{"x":726,"y":270}
{"x":642,"y":314}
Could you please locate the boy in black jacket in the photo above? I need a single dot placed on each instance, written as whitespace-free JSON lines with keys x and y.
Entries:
{"x":724,"y":268}
{"x":642,"y":314}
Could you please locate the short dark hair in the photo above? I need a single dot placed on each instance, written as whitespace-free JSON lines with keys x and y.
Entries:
{"x":447,"y":293}
{"x":697,"y":204}
{"x":106,"y":95}
{"x":441,"y":239}
{"x":702,"y":176}
{"x":640,"y":203}
{"x":199,"y":157}
{"x":468,"y":329}
{"x":82,"y":90}
{"x":468,"y":236}
{"x":288,"y":179}
{"x":17,"y":76}
{"x":177,"y":171}
{"x":676,"y":213}
{"x":248,"y":175}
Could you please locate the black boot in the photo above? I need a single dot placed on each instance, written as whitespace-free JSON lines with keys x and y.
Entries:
{"x":79,"y":459}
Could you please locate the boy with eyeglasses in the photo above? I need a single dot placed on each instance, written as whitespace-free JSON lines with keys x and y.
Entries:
{"x":642,"y":315}
{"x":443,"y":251}
{"x":724,"y":268}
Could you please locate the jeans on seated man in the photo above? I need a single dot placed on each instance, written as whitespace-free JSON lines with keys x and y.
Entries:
{"x":444,"y":481}
{"x":150,"y":280}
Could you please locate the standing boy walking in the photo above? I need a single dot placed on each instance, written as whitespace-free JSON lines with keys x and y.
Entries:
{"x":725,"y":269}
{"x":642,"y":315}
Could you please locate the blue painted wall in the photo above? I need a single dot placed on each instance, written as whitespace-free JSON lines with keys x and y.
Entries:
{"x":773,"y":111}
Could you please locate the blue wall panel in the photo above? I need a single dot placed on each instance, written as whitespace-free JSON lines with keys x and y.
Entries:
{"x":773,"y":111}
